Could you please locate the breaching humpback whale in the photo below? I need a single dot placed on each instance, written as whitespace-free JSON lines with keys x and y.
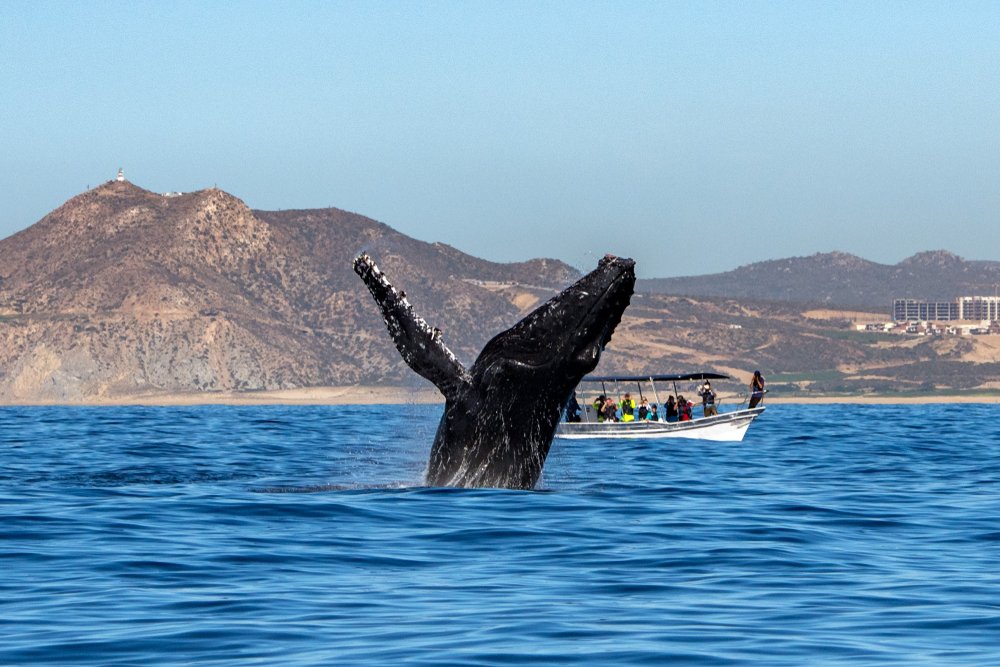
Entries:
{"x":500,"y":415}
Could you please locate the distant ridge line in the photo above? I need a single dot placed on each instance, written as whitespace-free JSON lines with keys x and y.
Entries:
{"x":841,"y":279}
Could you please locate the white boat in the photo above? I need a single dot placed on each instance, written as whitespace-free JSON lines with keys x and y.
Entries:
{"x":728,"y":426}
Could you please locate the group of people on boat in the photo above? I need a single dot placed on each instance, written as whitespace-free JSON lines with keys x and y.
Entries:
{"x":675,"y":409}
{"x":626,"y":410}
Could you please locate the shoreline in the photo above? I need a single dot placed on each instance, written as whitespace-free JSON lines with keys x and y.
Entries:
{"x":376,"y":395}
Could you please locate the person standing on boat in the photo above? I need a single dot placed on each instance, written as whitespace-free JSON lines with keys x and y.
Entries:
{"x":644,"y":410}
{"x":652,"y":416}
{"x":573,"y":409}
{"x":670,"y":409}
{"x":708,"y":399}
{"x":756,"y":389}
{"x":628,"y":408}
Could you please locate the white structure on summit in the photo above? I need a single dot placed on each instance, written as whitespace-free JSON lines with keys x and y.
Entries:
{"x":121,"y":175}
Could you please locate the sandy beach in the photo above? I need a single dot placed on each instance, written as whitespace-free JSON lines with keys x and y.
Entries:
{"x":383,"y":395}
{"x":345,"y":395}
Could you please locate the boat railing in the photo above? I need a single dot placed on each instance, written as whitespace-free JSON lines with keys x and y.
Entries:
{"x":588,"y":417}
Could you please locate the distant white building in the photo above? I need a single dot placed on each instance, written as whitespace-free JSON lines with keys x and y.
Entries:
{"x":121,"y":175}
{"x":985,"y":308}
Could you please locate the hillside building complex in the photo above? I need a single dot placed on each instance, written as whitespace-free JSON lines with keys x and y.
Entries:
{"x":973,"y":308}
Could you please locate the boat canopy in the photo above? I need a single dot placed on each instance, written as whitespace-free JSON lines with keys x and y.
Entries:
{"x":655,"y":378}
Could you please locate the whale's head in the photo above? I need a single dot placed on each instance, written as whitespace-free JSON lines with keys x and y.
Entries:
{"x":562,"y":340}
{"x":497,"y":432}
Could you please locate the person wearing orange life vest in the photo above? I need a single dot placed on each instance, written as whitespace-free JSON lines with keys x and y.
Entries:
{"x":627,"y":407}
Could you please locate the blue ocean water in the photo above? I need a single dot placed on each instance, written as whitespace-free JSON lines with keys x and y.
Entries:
{"x":302,"y":536}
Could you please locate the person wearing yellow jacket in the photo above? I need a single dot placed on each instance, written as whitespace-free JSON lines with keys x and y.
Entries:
{"x":627,"y":407}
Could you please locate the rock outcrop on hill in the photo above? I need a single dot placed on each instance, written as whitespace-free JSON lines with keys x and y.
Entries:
{"x":122,"y":291}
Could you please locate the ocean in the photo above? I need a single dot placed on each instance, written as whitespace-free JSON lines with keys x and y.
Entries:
{"x":277,"y":535}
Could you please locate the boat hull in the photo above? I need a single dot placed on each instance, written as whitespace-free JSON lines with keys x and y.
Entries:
{"x":724,"y":427}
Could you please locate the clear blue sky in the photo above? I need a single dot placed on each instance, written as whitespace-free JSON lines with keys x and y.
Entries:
{"x":695,"y":137}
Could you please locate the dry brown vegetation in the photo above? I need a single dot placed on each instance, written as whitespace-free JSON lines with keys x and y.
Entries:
{"x":122,"y":293}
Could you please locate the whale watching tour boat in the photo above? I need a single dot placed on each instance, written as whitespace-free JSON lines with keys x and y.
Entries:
{"x":728,"y":426}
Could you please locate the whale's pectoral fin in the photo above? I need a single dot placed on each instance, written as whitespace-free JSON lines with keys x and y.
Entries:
{"x":419,"y":344}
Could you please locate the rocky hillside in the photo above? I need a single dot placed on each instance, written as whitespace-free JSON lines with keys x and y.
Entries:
{"x":841,"y":279}
{"x":123,"y":291}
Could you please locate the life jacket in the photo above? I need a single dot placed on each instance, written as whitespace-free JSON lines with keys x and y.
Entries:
{"x":628,"y":410}
{"x":685,"y":411}
{"x":643,"y":412}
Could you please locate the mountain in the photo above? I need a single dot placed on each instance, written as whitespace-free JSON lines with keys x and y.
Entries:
{"x":122,"y":291}
{"x":125,"y":293}
{"x":842,"y":279}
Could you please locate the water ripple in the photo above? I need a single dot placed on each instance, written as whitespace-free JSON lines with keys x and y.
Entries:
{"x":304,"y":535}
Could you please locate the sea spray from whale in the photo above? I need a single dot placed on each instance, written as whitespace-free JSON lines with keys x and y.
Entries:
{"x":500,"y":415}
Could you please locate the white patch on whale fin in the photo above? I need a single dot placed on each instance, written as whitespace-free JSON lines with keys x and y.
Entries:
{"x":420,"y":345}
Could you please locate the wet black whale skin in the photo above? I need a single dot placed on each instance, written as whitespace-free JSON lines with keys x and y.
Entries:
{"x":500,"y":416}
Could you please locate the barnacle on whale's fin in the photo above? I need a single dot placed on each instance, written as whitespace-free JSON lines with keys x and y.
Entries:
{"x":420,"y":345}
